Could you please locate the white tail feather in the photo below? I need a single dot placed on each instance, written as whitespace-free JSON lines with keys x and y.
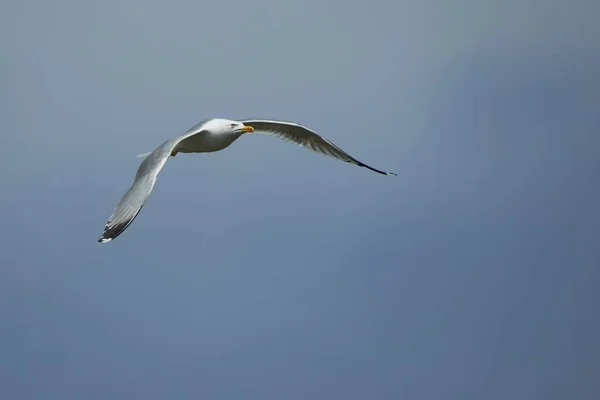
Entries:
{"x":143,"y":155}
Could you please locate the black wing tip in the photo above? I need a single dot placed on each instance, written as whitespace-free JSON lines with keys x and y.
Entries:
{"x":378,"y":171}
{"x":111,"y":233}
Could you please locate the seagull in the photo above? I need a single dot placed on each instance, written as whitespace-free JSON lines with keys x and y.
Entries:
{"x":209,"y":136}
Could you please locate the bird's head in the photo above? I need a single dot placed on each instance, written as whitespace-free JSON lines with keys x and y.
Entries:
{"x":226,"y":126}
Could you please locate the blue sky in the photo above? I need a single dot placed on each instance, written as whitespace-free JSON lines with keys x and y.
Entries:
{"x":278,"y":273}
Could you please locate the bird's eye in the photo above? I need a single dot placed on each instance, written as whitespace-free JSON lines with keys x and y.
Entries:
{"x":233,"y":125}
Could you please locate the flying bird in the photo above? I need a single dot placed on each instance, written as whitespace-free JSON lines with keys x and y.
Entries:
{"x":209,"y":136}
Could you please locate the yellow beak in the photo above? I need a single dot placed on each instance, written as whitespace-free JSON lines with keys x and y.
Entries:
{"x":247,"y":128}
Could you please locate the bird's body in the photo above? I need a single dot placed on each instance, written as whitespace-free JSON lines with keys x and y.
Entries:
{"x":206,"y":142}
{"x":210,"y":136}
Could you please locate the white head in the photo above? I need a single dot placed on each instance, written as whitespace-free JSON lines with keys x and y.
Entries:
{"x":220,"y":126}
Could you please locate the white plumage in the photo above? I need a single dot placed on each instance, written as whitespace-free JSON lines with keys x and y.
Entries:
{"x":209,"y":136}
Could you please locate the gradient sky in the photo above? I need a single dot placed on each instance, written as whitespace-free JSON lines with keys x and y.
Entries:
{"x":278,"y":273}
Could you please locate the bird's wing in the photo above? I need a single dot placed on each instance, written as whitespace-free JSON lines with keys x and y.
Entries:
{"x":304,"y":137}
{"x":133,"y":200}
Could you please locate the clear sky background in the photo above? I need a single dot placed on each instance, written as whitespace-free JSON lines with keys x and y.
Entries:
{"x":266,"y":271}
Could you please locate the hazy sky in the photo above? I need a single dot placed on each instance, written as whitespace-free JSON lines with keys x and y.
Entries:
{"x":278,"y":273}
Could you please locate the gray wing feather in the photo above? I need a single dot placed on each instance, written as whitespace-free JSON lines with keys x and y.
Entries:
{"x":304,"y":137}
{"x":133,"y":200}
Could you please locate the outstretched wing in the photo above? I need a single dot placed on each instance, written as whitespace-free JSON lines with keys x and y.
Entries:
{"x":133,"y":200}
{"x":304,"y":137}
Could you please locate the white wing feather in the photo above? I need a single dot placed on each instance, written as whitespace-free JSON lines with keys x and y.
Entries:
{"x":305,"y":137}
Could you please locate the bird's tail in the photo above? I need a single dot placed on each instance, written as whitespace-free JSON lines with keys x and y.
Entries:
{"x":143,"y":155}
